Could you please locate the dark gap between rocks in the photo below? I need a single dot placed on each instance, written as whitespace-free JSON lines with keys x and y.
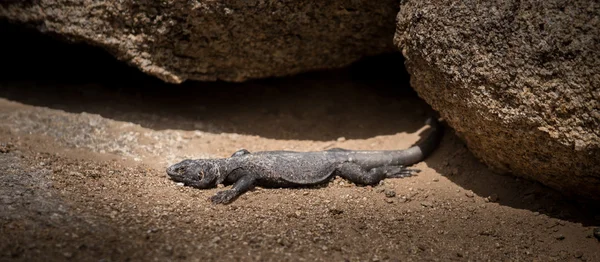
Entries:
{"x":370,"y":98}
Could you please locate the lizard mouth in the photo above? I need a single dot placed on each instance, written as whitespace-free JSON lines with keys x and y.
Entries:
{"x":181,"y":174}
{"x":175,"y":173}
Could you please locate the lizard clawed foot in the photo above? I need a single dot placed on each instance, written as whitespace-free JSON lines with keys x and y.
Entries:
{"x":401,"y":172}
{"x":224,"y":197}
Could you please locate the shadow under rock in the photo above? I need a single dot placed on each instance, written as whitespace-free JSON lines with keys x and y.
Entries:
{"x":454,"y":161}
{"x":370,"y":98}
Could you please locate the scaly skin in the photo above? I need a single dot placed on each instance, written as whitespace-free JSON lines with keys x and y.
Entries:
{"x":293,"y":169}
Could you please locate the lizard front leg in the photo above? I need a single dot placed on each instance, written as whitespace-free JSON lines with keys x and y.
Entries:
{"x":240,"y":186}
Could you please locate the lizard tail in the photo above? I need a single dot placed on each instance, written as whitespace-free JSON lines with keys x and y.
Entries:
{"x":430,"y":143}
{"x":425,"y":147}
{"x":407,"y":157}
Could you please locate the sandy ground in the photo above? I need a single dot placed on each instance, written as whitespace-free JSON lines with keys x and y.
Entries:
{"x":83,"y":150}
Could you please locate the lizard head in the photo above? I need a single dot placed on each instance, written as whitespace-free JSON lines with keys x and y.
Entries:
{"x":196,"y":173}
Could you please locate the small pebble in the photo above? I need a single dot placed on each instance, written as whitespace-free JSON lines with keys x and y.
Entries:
{"x":389,"y":200}
{"x":560,"y":237}
{"x":469,"y":194}
{"x":335,"y":211}
{"x":179,"y":184}
{"x":390,"y":193}
{"x":578,"y":254}
{"x":493,"y":198}
{"x":436,"y":180}
{"x":5,"y":147}
{"x":216,"y":239}
{"x":427,"y":204}
{"x":341,"y":139}
{"x":597,"y":233}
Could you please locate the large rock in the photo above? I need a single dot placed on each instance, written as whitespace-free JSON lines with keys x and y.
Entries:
{"x":519,"y":81}
{"x":227,"y":40}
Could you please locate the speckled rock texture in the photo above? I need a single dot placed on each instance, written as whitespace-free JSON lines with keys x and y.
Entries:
{"x":228,"y":40}
{"x":519,"y":81}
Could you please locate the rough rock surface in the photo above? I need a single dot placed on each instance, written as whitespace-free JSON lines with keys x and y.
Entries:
{"x":518,"y":80}
{"x":230,"y":40}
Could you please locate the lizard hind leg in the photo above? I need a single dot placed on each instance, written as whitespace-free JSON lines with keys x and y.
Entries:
{"x":399,"y":171}
{"x":358,"y":175}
